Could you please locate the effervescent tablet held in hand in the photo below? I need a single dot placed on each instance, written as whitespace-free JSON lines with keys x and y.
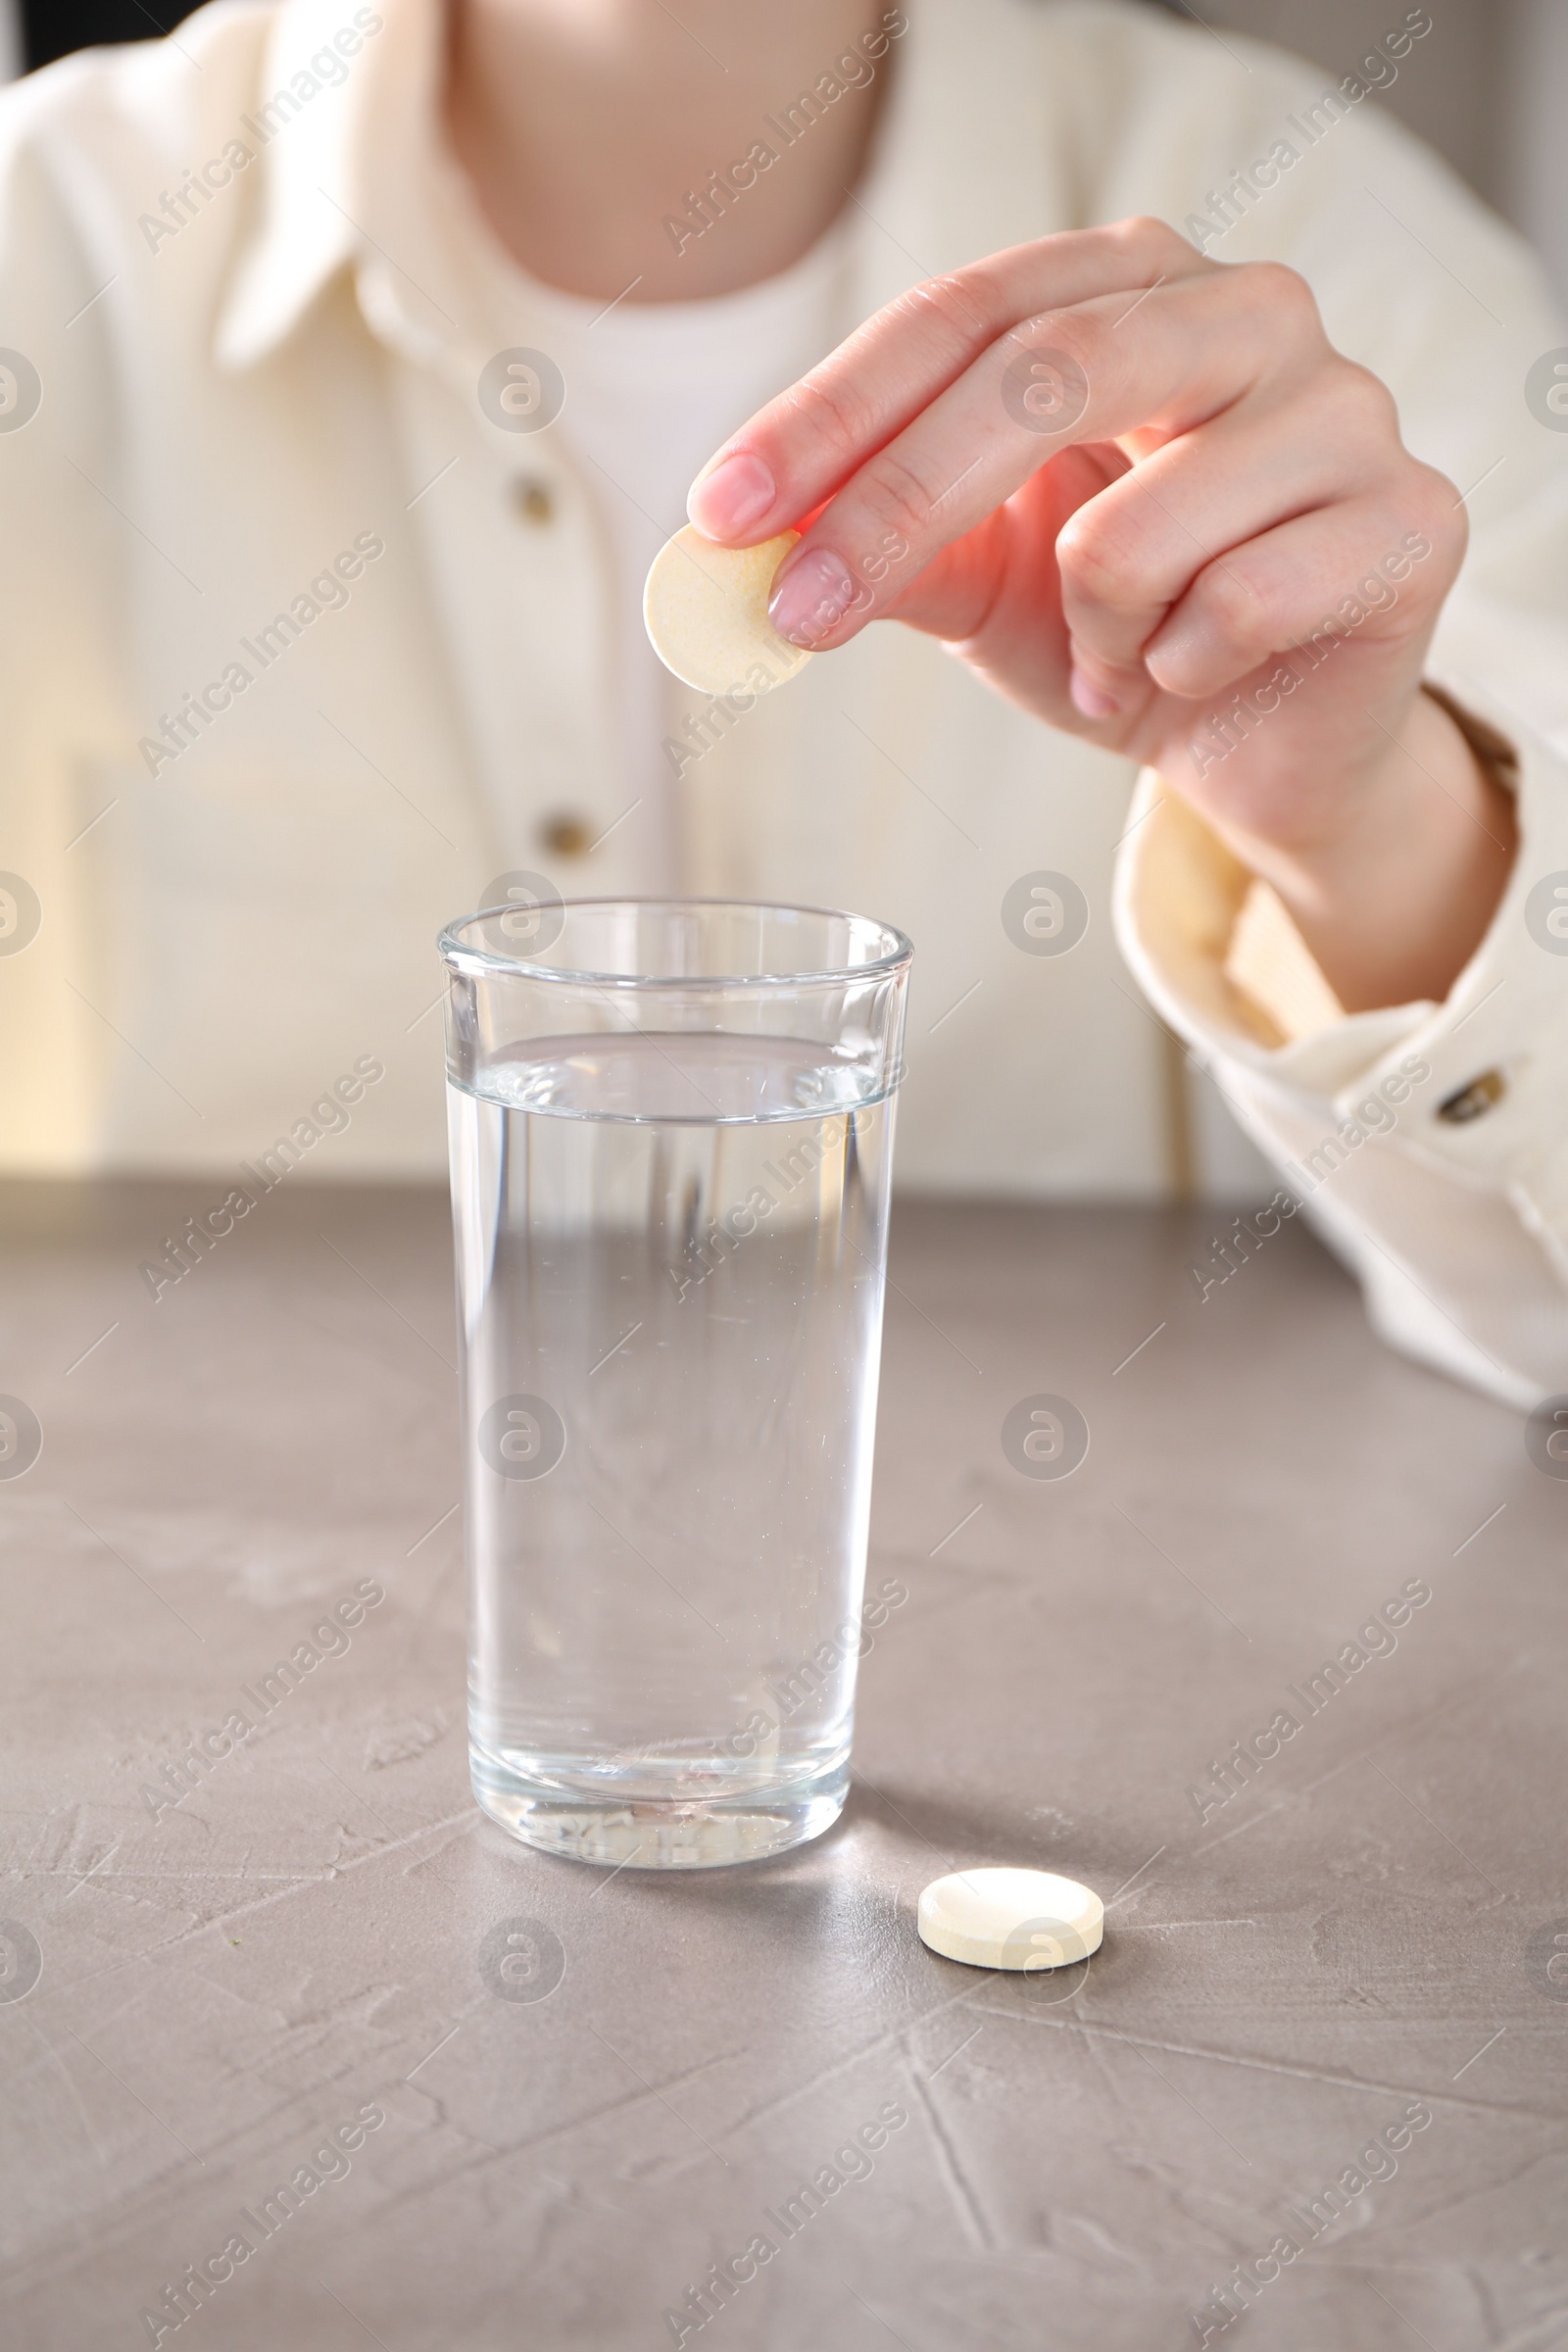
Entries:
{"x":705,"y":609}
{"x":1021,"y":1919}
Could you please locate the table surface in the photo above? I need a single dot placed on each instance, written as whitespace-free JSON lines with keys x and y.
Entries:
{"x":1364,"y":1926}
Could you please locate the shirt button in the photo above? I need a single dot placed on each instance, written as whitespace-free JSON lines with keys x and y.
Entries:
{"x":1474,"y":1100}
{"x":566,"y":835}
{"x":532,"y":500}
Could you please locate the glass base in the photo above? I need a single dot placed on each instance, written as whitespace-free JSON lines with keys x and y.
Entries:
{"x":642,"y":1833}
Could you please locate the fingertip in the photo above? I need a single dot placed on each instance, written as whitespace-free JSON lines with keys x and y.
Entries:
{"x":1090,"y":700}
{"x":732,"y":498}
{"x":1189,"y":667}
{"x":813,"y":592}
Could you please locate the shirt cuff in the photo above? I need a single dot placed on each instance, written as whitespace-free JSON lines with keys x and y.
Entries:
{"x":1415,"y":1130}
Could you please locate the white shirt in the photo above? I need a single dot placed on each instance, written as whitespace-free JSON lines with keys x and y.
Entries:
{"x":289,"y":676}
{"x":652,"y":391}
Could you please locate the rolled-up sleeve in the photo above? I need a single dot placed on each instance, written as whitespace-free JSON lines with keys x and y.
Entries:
{"x":1428,"y":1143}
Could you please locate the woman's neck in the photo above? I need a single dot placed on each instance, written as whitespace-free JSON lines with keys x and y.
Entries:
{"x":602,"y":135}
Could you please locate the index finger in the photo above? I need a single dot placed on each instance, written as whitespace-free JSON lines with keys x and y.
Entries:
{"x":795,"y":453}
{"x":1093,"y":372}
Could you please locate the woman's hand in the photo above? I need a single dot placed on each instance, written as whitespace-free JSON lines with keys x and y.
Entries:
{"x":1144,"y":497}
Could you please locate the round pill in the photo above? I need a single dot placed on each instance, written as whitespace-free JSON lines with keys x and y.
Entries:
{"x":705,"y":609}
{"x":1021,"y":1919}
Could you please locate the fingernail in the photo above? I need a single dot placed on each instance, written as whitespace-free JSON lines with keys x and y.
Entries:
{"x":813,"y":595}
{"x":1089,"y":699}
{"x":734,"y":496}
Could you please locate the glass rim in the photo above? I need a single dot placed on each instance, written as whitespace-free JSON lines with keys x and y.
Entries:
{"x":459,"y":954}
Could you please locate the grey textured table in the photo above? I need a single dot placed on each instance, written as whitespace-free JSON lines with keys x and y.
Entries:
{"x":1363,"y":1928}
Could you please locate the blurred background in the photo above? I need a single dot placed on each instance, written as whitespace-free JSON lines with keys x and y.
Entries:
{"x":1488,"y":87}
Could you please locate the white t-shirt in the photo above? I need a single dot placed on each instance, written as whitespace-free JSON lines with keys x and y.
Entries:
{"x":652,"y":390}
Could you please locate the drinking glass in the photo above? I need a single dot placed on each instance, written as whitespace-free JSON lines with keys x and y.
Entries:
{"x":671,"y":1129}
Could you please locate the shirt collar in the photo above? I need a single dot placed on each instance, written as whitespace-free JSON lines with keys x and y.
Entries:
{"x":346,"y":148}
